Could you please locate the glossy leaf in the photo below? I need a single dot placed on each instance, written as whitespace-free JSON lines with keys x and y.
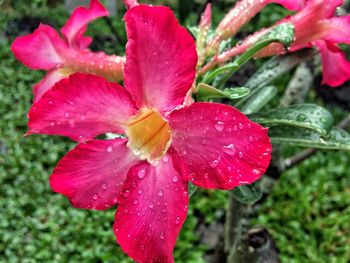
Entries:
{"x":308,"y":116}
{"x":338,"y":139}
{"x":206,"y":92}
{"x":283,"y":33}
{"x":259,"y":100}
{"x":249,"y":193}
{"x":276,"y":67}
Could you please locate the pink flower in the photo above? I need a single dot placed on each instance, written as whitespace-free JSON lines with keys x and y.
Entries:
{"x":166,"y":143}
{"x":45,"y":49}
{"x":315,"y":25}
{"x":130,"y":3}
{"x":240,"y":14}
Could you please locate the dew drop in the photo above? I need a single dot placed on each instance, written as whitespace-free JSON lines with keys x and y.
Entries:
{"x":177,"y":220}
{"x":104,"y":186}
{"x":230,"y":149}
{"x":165,"y":158}
{"x":109,"y":148}
{"x":141,"y":173}
{"x":219,"y":126}
{"x":240,"y":126}
{"x":160,"y":192}
{"x":256,"y":171}
{"x":301,"y":117}
{"x":151,"y":205}
{"x":140,"y":191}
{"x":162,"y":235}
{"x":95,"y":197}
{"x":175,"y":179}
{"x":214,"y":163}
{"x":126,"y":193}
{"x":240,"y":155}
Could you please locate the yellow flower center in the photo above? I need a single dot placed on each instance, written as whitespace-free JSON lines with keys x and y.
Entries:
{"x":149,"y":134}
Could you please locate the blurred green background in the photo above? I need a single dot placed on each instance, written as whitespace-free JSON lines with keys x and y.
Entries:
{"x":308,"y":213}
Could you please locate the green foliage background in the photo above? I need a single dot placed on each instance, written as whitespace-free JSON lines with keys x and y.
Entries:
{"x":308,"y":212}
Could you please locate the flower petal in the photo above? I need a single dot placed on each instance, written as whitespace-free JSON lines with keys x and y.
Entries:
{"x":92,"y":175}
{"x":335,"y":66}
{"x":43,"y":49}
{"x":130,"y":3}
{"x":81,"y":107}
{"x":51,"y":78}
{"x":151,"y":211}
{"x":76,"y":25}
{"x":293,"y":5}
{"x":336,"y":29}
{"x":160,"y":58}
{"x":221,"y":146}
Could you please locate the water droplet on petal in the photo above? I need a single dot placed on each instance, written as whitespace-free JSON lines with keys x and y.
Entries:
{"x":140,"y":191}
{"x":240,"y":155}
{"x":230,"y":149}
{"x":165,"y":158}
{"x":109,"y":148}
{"x":175,"y":179}
{"x":160,"y":192}
{"x":126,"y":193}
{"x":162,"y":235}
{"x":104,"y":186}
{"x":214,"y":163}
{"x":256,"y":171}
{"x":151,"y":205}
{"x":177,"y":220}
{"x":219,"y":126}
{"x":95,"y":197}
{"x":141,"y":173}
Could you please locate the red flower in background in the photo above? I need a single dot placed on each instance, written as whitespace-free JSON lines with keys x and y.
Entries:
{"x":315,"y":26}
{"x":167,"y":143}
{"x":45,"y":49}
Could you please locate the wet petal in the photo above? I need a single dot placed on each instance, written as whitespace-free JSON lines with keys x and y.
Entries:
{"x":221,"y":146}
{"x":335,"y":66}
{"x":43,"y":49}
{"x":160,"y":58}
{"x":77,"y":24}
{"x":81,"y":107}
{"x":51,"y":78}
{"x":130,"y":3}
{"x":293,"y":5}
{"x":336,"y":29}
{"x":151,"y":211}
{"x":92,"y":175}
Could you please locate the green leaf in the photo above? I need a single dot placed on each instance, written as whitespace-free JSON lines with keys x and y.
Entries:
{"x":276,"y":67}
{"x":192,"y":189}
{"x":206,"y":92}
{"x":283,"y":33}
{"x":308,"y":116}
{"x":259,"y":100}
{"x":338,"y":139}
{"x":248,"y":193}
